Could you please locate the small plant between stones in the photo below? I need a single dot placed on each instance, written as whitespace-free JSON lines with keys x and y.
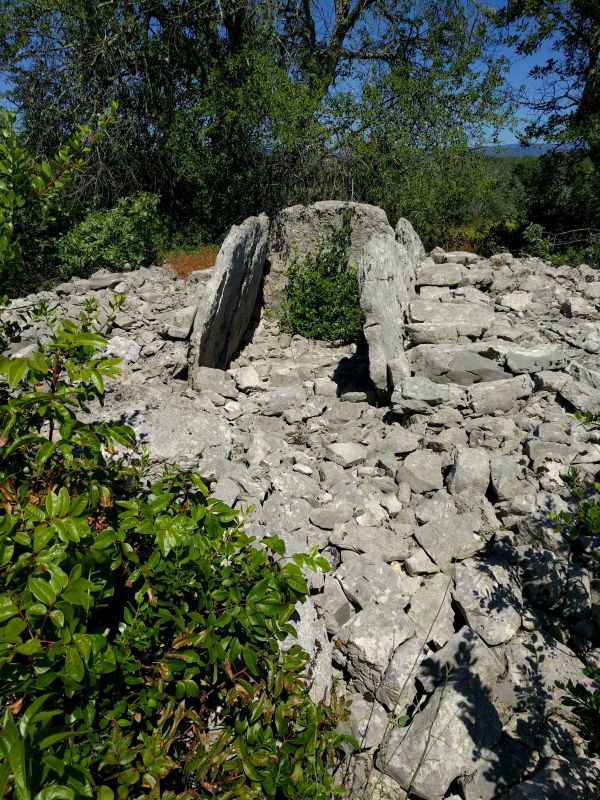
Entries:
{"x":323,"y":300}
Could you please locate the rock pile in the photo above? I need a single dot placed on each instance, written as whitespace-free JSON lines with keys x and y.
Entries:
{"x":452,"y":600}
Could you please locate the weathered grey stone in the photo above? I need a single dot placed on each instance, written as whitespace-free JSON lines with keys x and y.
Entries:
{"x":215,"y":380}
{"x":460,"y":365}
{"x":408,"y":237}
{"x":534,"y":659}
{"x":385,"y":279}
{"x":535,"y":359}
{"x":334,"y":605}
{"x":328,"y":518}
{"x":559,"y":780}
{"x":444,"y":740}
{"x":454,"y":538}
{"x":420,"y":395}
{"x":367,"y":722}
{"x":459,"y":257}
{"x":420,"y":564}
{"x":431,"y":610}
{"x":398,"y":688}
{"x":361,"y":780}
{"x":489,"y":598}
{"x":367,"y":579}
{"x":387,"y":544}
{"x":487,"y":398}
{"x":500,"y":768}
{"x":248,"y":380}
{"x":228,"y":301}
{"x":369,"y":639}
{"x":122,"y":347}
{"x":468,"y":318}
{"x":346,"y":454}
{"x":506,"y":475}
{"x":422,"y":471}
{"x":471,"y":469}
{"x":441,"y":275}
{"x":515,"y":301}
{"x":464,"y":650}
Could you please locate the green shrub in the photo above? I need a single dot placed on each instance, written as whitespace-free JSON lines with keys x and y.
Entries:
{"x":29,"y":193}
{"x":323,"y":300}
{"x":130,"y":233}
{"x":140,"y":627}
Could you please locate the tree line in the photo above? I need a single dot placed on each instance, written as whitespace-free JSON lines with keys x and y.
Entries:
{"x":231,"y":107}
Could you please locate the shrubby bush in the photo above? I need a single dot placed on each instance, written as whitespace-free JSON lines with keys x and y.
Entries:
{"x":131,"y":234}
{"x":140,"y":626}
{"x":323,"y":300}
{"x":29,"y":193}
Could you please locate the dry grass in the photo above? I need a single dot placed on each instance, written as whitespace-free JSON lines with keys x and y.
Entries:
{"x":182,"y":264}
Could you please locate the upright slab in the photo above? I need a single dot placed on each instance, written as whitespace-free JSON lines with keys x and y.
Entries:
{"x":298,"y":231}
{"x":230,"y":297}
{"x":384,"y":258}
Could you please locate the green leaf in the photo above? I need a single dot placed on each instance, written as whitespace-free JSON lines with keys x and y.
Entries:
{"x":16,"y":371}
{"x":7,"y":608}
{"x":74,"y":666}
{"x":90,"y":340}
{"x":42,"y":590}
{"x":56,"y":792}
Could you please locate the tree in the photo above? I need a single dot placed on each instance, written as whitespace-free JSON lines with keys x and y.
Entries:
{"x":568,"y":104}
{"x":234,"y":106}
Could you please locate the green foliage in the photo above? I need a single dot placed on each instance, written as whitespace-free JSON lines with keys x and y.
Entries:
{"x":130,"y":233}
{"x":323,"y":300}
{"x":585,"y":704}
{"x":231,"y":109}
{"x":140,"y":627}
{"x":539,"y":243}
{"x":28,"y":195}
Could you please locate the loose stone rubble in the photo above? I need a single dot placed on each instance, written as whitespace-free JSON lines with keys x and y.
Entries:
{"x":451,"y":598}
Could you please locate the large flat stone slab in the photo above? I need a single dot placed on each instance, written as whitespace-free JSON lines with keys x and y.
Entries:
{"x":228,"y":300}
{"x":444,"y":740}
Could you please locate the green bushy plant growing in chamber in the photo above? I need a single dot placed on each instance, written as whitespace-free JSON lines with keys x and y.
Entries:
{"x":323,"y":300}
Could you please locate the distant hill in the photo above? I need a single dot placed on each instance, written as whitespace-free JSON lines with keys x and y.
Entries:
{"x":516,"y":150}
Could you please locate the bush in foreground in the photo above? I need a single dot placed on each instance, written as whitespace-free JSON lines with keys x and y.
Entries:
{"x":140,"y":627}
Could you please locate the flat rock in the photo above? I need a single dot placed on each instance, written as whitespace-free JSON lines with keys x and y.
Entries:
{"x":454,"y":538}
{"x":422,"y":471}
{"x":346,"y":454}
{"x":369,"y":640}
{"x":444,"y":741}
{"x":465,"y":649}
{"x":488,"y":596}
{"x":499,"y":396}
{"x":368,"y":579}
{"x":431,"y":610}
{"x":470,"y":470}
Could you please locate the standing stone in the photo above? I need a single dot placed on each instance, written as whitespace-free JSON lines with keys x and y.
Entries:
{"x":229,"y":299}
{"x":386,"y":276}
{"x":298,"y":231}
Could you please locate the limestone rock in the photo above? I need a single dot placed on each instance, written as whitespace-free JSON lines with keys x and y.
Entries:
{"x":369,"y":639}
{"x":444,"y":740}
{"x":489,"y":598}
{"x":230,"y":296}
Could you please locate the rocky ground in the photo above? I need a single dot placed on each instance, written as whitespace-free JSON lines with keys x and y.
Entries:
{"x":434,"y":509}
